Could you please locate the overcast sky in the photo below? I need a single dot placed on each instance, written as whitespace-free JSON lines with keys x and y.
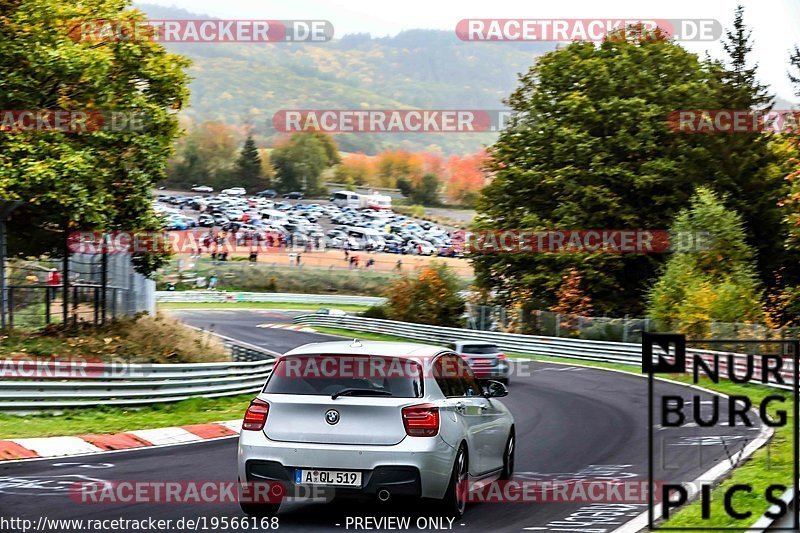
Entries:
{"x":775,"y":23}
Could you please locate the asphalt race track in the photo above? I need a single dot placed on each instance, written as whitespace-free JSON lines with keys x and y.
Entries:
{"x":571,"y":422}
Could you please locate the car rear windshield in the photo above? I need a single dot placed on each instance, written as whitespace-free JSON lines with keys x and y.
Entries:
{"x":479,"y":349}
{"x":328,"y":374}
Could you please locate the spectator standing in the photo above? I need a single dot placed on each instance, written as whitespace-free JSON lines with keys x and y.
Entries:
{"x":53,"y":281}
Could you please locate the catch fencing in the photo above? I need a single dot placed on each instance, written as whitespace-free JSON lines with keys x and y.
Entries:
{"x":624,"y":329}
{"x":99,"y":287}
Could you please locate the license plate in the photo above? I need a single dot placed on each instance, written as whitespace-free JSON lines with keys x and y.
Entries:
{"x":327,"y":477}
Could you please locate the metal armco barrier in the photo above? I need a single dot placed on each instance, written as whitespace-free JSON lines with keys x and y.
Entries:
{"x":561,"y":347}
{"x":277,"y":297}
{"x":130,"y":384}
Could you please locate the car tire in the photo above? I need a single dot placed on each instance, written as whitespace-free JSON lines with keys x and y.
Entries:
{"x":508,"y":457}
{"x":454,"y":501}
{"x":504,"y":381}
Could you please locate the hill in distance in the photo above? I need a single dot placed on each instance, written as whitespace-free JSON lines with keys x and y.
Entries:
{"x":246,"y":83}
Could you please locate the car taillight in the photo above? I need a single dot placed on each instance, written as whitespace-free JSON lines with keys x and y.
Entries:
{"x":256,"y":415}
{"x":421,"y":420}
{"x":501,"y":357}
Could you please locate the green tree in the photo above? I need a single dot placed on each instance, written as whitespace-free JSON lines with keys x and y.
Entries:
{"x":424,"y":193}
{"x":248,"y":167}
{"x":589,"y":147}
{"x":300,"y":162}
{"x":191,"y":169}
{"x":714,"y":282}
{"x":750,"y":166}
{"x":93,"y":180}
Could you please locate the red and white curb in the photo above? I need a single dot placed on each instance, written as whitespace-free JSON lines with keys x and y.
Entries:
{"x":43,"y":447}
{"x":293,"y":327}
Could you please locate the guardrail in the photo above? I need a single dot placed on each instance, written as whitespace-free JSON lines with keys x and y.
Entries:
{"x":561,"y":347}
{"x":133,"y":384}
{"x":278,"y":297}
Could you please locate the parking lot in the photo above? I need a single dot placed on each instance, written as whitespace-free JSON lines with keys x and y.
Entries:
{"x":313,"y":233}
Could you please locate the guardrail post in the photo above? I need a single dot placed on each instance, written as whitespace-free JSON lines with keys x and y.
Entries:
{"x":104,"y":283}
{"x":10,"y":307}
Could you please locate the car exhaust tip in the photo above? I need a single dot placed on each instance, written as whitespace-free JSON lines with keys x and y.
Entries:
{"x":384,"y":495}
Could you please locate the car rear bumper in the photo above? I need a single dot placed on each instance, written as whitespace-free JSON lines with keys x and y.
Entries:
{"x":399,"y":480}
{"x":416,"y":466}
{"x":500,"y":371}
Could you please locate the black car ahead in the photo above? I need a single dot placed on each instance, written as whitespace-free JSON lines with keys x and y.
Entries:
{"x":293,"y":195}
{"x":269,"y":193}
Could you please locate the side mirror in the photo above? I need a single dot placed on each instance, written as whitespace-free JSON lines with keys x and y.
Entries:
{"x":495,"y":389}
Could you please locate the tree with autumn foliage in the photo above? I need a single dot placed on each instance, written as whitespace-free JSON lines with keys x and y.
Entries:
{"x":430,"y":296}
{"x":396,"y":164}
{"x":571,"y":299}
{"x":466,"y":177}
{"x":356,"y":169}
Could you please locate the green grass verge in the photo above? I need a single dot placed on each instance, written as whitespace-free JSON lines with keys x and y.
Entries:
{"x":770,"y":465}
{"x":119,"y":419}
{"x":260,"y":305}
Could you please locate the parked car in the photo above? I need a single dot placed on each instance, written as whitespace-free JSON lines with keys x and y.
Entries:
{"x":293,"y":195}
{"x":220,"y":219}
{"x":424,"y":433}
{"x":202,"y":188}
{"x":205,"y":220}
{"x":268,"y":193}
{"x":485,"y":359}
{"x":234,"y":191}
{"x":419,"y":247}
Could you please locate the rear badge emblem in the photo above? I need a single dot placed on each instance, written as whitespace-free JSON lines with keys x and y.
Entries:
{"x":332,"y":416}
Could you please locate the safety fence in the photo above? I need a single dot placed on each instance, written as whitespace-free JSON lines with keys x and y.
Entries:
{"x":96,"y":288}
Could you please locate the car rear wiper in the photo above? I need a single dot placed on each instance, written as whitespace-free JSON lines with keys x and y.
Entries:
{"x":359,"y":392}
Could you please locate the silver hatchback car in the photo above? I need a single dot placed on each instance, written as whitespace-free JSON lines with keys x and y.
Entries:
{"x":377,"y":420}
